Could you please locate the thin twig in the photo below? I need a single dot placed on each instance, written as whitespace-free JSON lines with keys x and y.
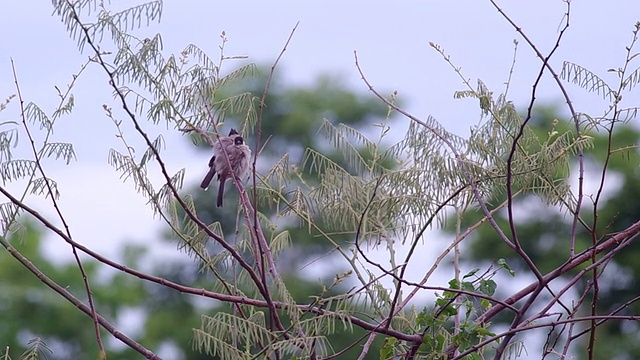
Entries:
{"x":511,"y":220}
{"x":574,"y":115}
{"x":85,"y":278}
{"x":619,"y":238}
{"x":262,"y":287}
{"x":75,"y":301}
{"x":459,"y":158}
{"x":261,"y":107}
{"x":538,"y":325}
{"x":513,"y":65}
{"x":263,"y":249}
{"x":263,"y":246}
{"x":604,"y":172}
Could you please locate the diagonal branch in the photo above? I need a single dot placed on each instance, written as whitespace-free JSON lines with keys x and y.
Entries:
{"x":545,"y":64}
{"x":75,"y":301}
{"x":85,"y":279}
{"x":261,"y":286}
{"x":572,"y":111}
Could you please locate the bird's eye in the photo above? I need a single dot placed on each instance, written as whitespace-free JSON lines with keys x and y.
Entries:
{"x":238,"y":140}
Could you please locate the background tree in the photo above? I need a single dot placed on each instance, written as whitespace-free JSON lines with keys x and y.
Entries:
{"x":166,"y":317}
{"x":291,"y":124}
{"x":374,"y":192}
{"x":543,"y":232}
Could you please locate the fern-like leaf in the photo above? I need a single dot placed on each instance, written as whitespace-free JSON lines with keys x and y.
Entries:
{"x":46,"y":186}
{"x":37,"y":116}
{"x":157,"y":146}
{"x":16,"y":169}
{"x":66,"y":108}
{"x":36,"y":350}
{"x":8,"y":140}
{"x":8,"y":213}
{"x":586,"y":79}
{"x":632,"y":80}
{"x":58,"y":150}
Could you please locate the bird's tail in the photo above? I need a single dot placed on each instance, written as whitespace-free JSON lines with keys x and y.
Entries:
{"x":207,"y":179}
{"x":220,"y":191}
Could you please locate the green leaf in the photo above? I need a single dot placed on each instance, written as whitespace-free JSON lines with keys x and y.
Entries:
{"x":440,"y":342}
{"x":488,"y":287}
{"x":468,"y":286}
{"x":448,"y":295}
{"x":484,"y":332}
{"x":503,"y":263}
{"x":424,"y":318}
{"x":485,"y":303}
{"x":449,"y":310}
{"x":428,"y":343}
{"x":471,"y":273}
{"x":454,"y":284}
{"x":387,"y":348}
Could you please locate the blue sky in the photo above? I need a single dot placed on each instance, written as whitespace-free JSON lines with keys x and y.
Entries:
{"x":391,"y":39}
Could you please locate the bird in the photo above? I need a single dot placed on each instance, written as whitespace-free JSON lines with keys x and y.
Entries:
{"x":234,"y":149}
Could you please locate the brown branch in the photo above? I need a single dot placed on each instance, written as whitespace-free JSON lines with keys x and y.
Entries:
{"x":604,"y":171}
{"x":472,"y":182}
{"x":553,"y":323}
{"x":608,"y":317}
{"x":259,"y":123}
{"x":574,"y":116}
{"x":468,"y":174}
{"x":149,"y":143}
{"x":76,"y":302}
{"x":85,"y":279}
{"x":514,"y":145}
{"x":574,"y":262}
{"x":520,"y":314}
{"x":202,"y":292}
{"x":263,"y":248}
{"x":260,"y":285}
{"x":262,"y":251}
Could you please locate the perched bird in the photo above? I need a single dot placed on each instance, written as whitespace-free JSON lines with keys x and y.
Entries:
{"x":233,"y":148}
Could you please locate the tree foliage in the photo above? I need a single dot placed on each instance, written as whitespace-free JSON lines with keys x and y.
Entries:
{"x":356,"y":192}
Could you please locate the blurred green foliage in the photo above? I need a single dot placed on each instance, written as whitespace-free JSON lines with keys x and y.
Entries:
{"x":156,"y":316}
{"x":544,"y":234}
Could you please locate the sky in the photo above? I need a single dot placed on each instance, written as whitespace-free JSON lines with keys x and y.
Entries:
{"x":392,"y":42}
